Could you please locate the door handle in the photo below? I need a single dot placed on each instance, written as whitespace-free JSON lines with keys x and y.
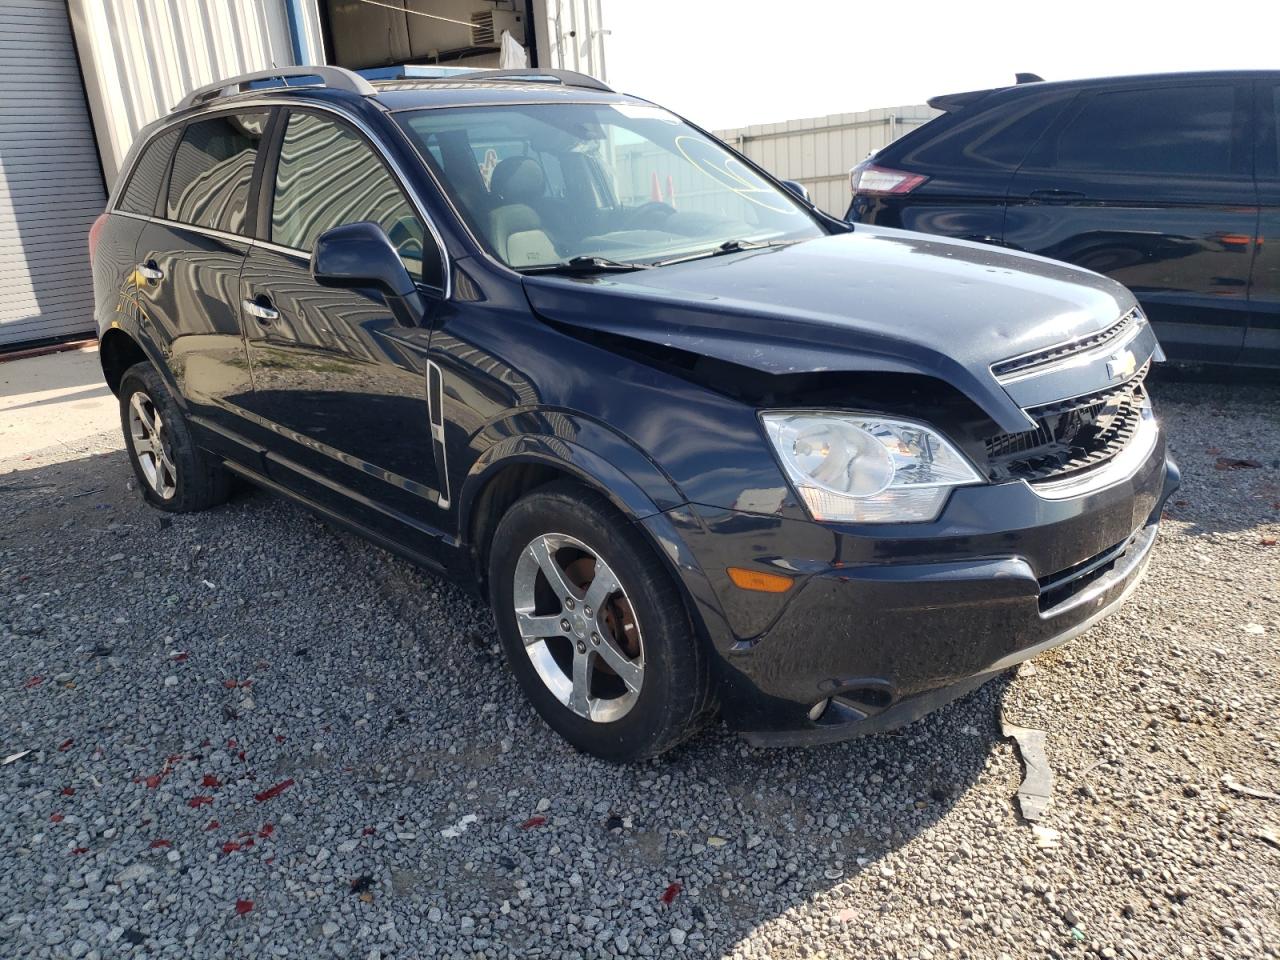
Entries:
{"x":1056,"y":196}
{"x":264,"y":313}
{"x":149,"y":271}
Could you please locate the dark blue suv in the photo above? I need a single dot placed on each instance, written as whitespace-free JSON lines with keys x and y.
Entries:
{"x":702,"y":448}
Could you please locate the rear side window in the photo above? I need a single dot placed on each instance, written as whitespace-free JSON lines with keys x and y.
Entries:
{"x":998,"y":138}
{"x":1178,"y":130}
{"x":148,"y":174}
{"x":329,"y":176}
{"x":213,"y":171}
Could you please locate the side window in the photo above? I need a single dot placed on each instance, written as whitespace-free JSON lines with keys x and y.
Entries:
{"x":213,"y":171}
{"x":328,"y":176}
{"x":997,"y":138}
{"x":1177,"y":130}
{"x":148,"y":173}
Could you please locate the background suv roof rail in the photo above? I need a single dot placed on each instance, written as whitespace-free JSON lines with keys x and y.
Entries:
{"x":338,"y":78}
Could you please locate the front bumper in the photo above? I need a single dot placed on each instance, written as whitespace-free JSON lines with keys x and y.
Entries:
{"x":890,"y":622}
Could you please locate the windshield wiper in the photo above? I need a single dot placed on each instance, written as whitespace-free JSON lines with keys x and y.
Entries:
{"x":581,"y":266}
{"x":729,"y":246}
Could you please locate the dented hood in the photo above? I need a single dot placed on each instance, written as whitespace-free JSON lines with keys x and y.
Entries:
{"x":871,"y":300}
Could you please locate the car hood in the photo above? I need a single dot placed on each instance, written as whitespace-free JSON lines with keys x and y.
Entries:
{"x":871,"y":300}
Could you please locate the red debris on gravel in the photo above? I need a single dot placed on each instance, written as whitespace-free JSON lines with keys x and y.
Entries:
{"x":279,"y":738}
{"x":56,"y":818}
{"x":272,"y":792}
{"x":160,"y":844}
{"x":210,"y":781}
{"x":68,"y":791}
{"x":154,"y":780}
{"x":672,"y":891}
{"x":230,"y":847}
{"x":536,"y":820}
{"x":33,"y":682}
{"x":76,"y":851}
{"x":235,"y":684}
{"x":65,"y":745}
{"x":369,"y":831}
{"x":213,"y":825}
{"x":196,"y":803}
{"x":243,"y":906}
{"x":180,"y":657}
{"x":267,"y":830}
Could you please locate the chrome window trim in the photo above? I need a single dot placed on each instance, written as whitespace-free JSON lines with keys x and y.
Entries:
{"x":1081,"y":359}
{"x":224,"y":105}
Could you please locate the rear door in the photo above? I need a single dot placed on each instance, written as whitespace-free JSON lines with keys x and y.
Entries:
{"x":341,"y":384}
{"x":1262,"y":341}
{"x":1153,"y":186}
{"x":189,"y":261}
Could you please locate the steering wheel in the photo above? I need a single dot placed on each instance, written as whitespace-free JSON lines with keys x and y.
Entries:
{"x":649,"y":215}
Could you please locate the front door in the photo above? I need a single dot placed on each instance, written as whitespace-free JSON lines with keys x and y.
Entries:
{"x":1153,"y":186}
{"x":341,"y":385}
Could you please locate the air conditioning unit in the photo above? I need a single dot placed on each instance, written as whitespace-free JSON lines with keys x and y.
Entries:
{"x":487,"y":27}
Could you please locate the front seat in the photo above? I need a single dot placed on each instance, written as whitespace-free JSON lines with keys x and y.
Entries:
{"x":515,"y":229}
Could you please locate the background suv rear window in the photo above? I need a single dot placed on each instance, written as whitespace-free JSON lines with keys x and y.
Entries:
{"x":998,"y":137}
{"x":1170,"y":130}
{"x":213,"y":170}
{"x":144,"y":186}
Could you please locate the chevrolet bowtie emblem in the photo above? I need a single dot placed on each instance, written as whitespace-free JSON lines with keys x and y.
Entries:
{"x":1121,"y":365}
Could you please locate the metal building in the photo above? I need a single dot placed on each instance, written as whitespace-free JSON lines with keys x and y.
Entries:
{"x":820,"y":151}
{"x":79,"y":78}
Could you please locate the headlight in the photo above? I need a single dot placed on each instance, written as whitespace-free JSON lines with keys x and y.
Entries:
{"x":856,"y":468}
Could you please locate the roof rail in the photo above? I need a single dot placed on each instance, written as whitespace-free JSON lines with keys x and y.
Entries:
{"x":335,"y":77}
{"x":568,"y":78}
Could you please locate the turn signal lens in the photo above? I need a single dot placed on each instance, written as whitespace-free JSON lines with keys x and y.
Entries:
{"x":759,"y":581}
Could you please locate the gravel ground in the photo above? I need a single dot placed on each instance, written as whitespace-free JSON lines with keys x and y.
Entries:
{"x":251,"y":735}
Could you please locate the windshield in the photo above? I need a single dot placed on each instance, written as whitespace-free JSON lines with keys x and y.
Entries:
{"x":626,"y":184}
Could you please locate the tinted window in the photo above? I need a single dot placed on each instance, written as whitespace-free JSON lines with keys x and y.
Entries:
{"x":328,"y":175}
{"x":1172,"y":130}
{"x":998,"y":137}
{"x":148,"y":173}
{"x":213,"y":170}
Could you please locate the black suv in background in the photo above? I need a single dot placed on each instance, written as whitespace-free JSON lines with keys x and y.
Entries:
{"x":1167,"y":183}
{"x":713,"y":453}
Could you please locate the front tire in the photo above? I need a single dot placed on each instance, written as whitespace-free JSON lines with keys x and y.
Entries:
{"x":172,"y":472}
{"x":594,"y":628}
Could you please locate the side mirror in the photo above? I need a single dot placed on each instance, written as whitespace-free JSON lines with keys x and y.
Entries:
{"x":360,"y":255}
{"x":798,"y":188}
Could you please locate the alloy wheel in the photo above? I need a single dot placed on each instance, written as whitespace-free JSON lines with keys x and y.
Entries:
{"x":579,"y":627}
{"x":151,"y":446}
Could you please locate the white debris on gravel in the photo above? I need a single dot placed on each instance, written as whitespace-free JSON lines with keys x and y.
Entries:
{"x":179,"y":823}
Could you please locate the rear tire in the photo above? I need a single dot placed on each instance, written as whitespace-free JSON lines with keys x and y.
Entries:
{"x":627,"y":680}
{"x":172,"y":472}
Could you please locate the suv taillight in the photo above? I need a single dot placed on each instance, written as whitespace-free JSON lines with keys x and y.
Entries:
{"x":868,"y":180}
{"x":94,"y":233}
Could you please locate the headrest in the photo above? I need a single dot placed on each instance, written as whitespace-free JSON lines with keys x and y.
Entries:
{"x":518,"y":180}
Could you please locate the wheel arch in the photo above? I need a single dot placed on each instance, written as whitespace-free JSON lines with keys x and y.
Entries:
{"x":117,"y":352}
{"x":516,"y":466}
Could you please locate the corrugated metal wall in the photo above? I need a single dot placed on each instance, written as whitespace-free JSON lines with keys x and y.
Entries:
{"x":50,"y":185}
{"x":140,"y":57}
{"x":819,"y":151}
{"x":570,"y":35}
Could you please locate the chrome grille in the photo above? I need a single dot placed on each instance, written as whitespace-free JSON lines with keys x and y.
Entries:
{"x":1017,"y":366}
{"x":1070,"y":437}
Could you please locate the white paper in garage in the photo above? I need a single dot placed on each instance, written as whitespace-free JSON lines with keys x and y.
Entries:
{"x":512,"y":54}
